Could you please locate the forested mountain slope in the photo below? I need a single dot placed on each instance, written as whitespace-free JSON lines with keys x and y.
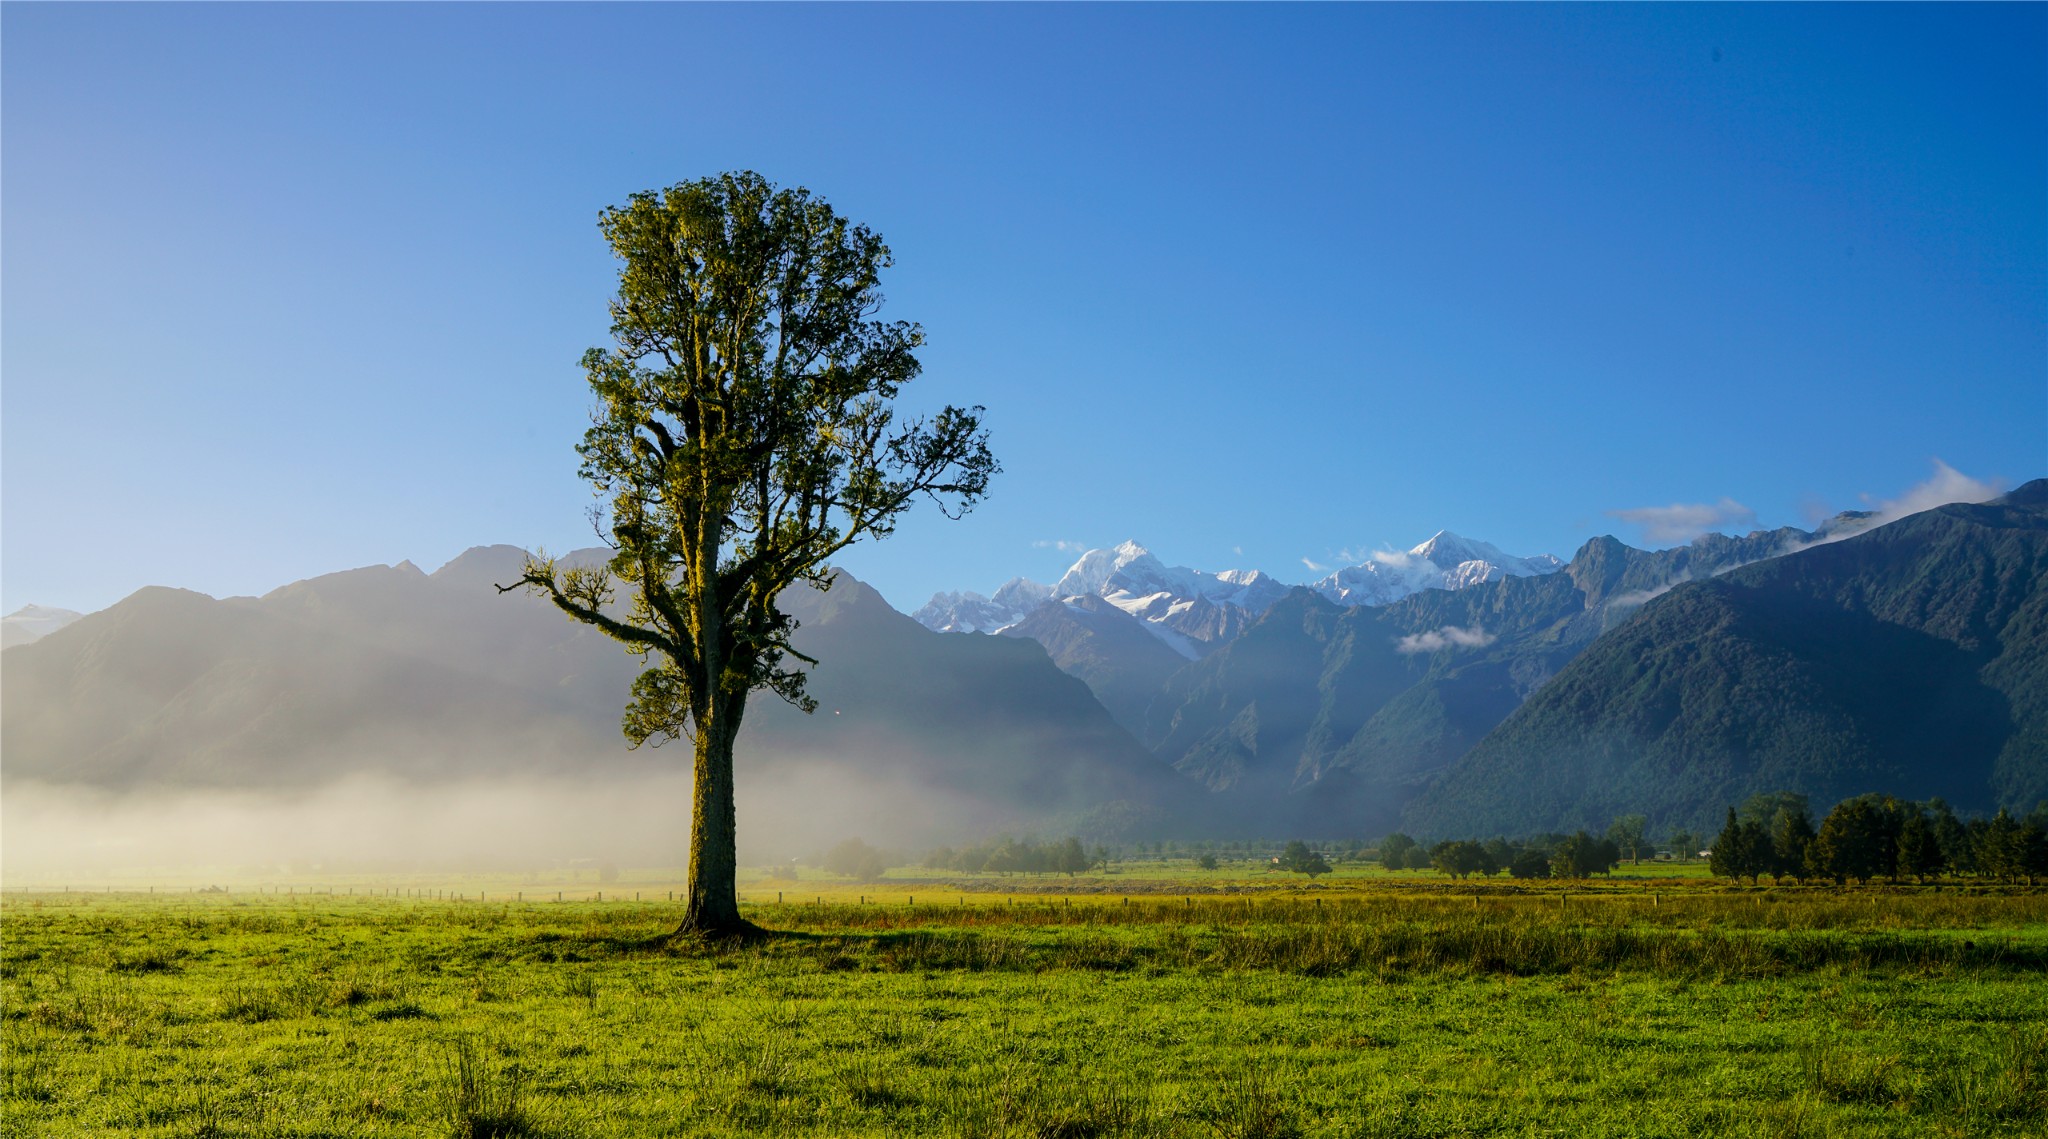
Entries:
{"x":1323,"y":716}
{"x":1911,"y":659}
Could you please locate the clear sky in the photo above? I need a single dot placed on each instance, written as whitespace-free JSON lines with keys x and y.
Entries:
{"x":294,"y":288}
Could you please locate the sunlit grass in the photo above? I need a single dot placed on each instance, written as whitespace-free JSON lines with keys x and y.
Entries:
{"x":1440,"y":1011}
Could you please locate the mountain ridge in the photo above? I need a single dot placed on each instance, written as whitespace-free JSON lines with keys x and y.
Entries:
{"x":1844,"y":666}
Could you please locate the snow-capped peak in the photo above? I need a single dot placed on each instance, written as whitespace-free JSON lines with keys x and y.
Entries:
{"x":1445,"y":561}
{"x":1129,"y":571}
{"x":1188,"y":609}
{"x":970,"y":612}
{"x":33,"y":623}
{"x":1193,"y":610}
{"x":1092,"y":571}
{"x":1447,"y":551}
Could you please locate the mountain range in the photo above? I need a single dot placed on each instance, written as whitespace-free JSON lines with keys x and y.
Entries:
{"x":1086,"y":618}
{"x":33,"y":623}
{"x":439,"y":678}
{"x":1489,"y":694}
{"x":1911,"y":659}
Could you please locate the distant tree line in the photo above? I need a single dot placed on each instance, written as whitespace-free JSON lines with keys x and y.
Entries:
{"x":1877,"y":836}
{"x":1018,"y":856}
{"x":1872,"y":836}
{"x":1577,"y":855}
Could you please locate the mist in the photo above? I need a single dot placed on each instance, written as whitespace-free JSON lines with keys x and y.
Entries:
{"x":367,"y":826}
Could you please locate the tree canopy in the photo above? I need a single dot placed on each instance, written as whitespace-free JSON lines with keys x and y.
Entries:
{"x":743,"y":434}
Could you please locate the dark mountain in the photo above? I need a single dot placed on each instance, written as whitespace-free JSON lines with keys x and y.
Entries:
{"x":1105,"y":648}
{"x":1322,"y":717}
{"x":1911,"y":659}
{"x":387,"y":670}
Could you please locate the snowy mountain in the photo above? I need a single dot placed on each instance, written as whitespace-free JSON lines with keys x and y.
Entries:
{"x":1193,"y":611}
{"x":1129,"y":577}
{"x":1445,"y":561}
{"x":970,"y":612}
{"x":1189,"y":610}
{"x":33,"y":623}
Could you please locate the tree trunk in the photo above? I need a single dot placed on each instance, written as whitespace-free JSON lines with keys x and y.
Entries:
{"x":713,"y":909}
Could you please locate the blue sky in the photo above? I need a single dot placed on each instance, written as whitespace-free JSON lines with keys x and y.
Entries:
{"x":293,"y":288}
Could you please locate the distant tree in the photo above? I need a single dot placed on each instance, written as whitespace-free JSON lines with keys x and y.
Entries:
{"x":1685,"y":845}
{"x":1530,"y":864}
{"x":1919,"y":852}
{"x":2008,"y":848}
{"x":1394,"y":850}
{"x":1858,"y":840}
{"x":1501,"y":851}
{"x":1297,"y":858}
{"x":1740,"y":850}
{"x":1791,"y":837}
{"x":1013,"y":857}
{"x":1762,"y":809}
{"x":1206,"y":861}
{"x":1952,"y":835}
{"x":1072,"y":858}
{"x":1462,"y":857}
{"x":1581,"y":855}
{"x":1417,"y":858}
{"x":1568,"y":859}
{"x":856,"y":859}
{"x":1627,"y":833}
{"x":2033,"y":851}
{"x":1606,"y":855}
{"x":743,"y":436}
{"x":608,"y":872}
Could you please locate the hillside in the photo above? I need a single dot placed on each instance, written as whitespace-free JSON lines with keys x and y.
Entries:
{"x":387,"y":670}
{"x":1911,"y":659}
{"x":1327,"y":716}
{"x":1105,"y":648}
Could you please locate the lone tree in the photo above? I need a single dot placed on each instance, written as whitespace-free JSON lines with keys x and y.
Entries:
{"x":1627,"y":834}
{"x":1462,"y":857}
{"x":1297,"y":858}
{"x":742,"y":435}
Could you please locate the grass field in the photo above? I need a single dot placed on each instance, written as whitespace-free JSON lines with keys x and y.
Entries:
{"x":1366,"y":1008}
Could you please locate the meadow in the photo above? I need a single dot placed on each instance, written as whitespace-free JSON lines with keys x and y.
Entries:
{"x":1119,"y":1005}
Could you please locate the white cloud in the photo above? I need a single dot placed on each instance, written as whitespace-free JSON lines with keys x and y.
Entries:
{"x":1056,"y":544}
{"x":1450,"y":636}
{"x":1681,"y":522}
{"x":1638,"y":597}
{"x":1318,"y":567}
{"x":1947,"y":485}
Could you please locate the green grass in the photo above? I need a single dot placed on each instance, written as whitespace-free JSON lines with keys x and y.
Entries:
{"x":1392,"y":1011}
